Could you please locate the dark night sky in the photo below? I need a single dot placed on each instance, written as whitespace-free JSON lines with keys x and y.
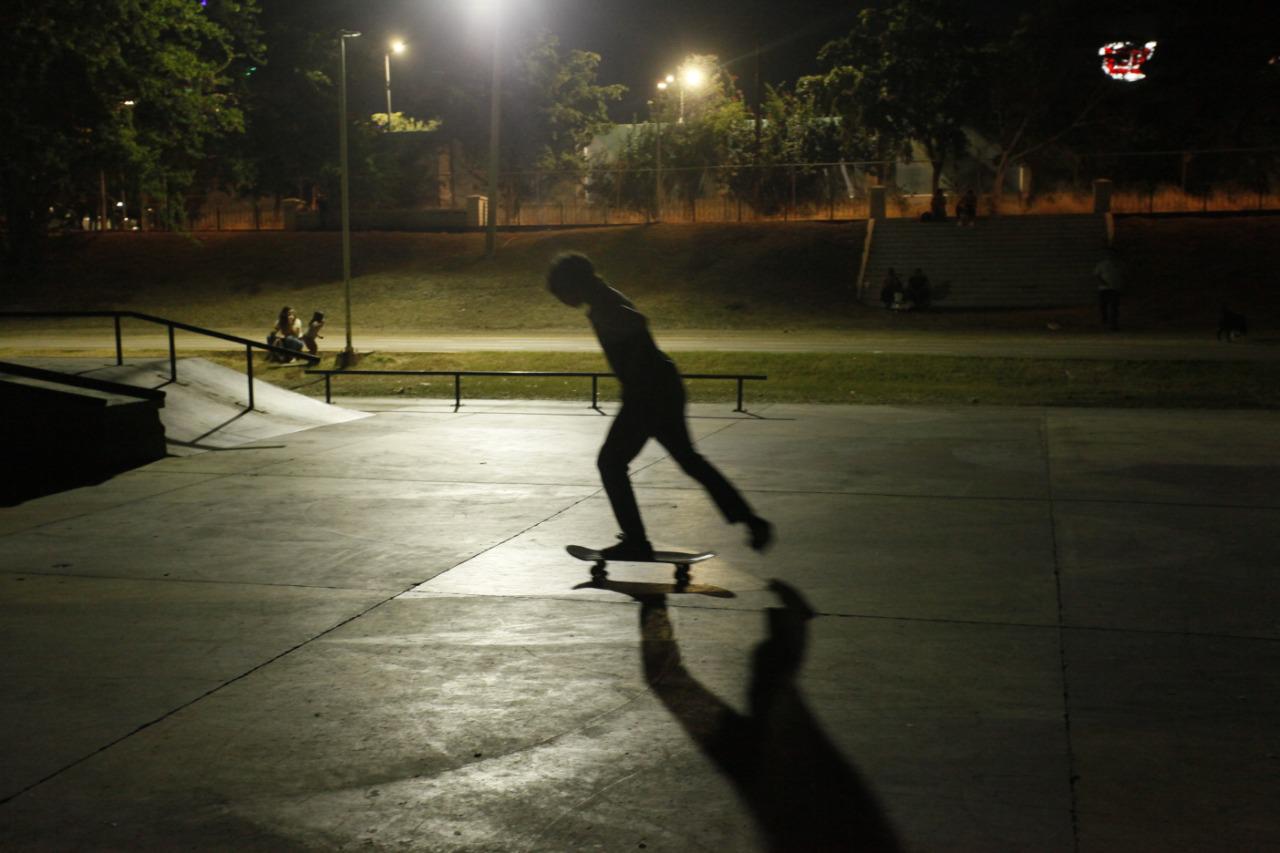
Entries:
{"x":639,"y":40}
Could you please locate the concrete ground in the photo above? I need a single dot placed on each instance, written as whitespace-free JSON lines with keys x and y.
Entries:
{"x":980,"y":629}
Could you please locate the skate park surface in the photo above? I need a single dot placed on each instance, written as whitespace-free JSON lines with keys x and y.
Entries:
{"x":980,"y":628}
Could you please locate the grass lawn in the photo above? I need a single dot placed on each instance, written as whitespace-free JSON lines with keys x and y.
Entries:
{"x":795,"y":277}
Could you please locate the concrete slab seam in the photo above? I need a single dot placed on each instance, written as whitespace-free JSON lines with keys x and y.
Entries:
{"x":95,"y":510}
{"x":1072,"y":775}
{"x":167,"y":714}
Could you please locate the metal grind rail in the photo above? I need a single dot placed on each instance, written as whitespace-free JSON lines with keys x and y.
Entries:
{"x":173,"y":325}
{"x":457,"y":375}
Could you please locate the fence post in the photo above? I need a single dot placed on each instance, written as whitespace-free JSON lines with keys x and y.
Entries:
{"x":739,"y":409}
{"x":119,"y":347}
{"x":595,"y":381}
{"x":457,"y":391}
{"x":328,"y":397}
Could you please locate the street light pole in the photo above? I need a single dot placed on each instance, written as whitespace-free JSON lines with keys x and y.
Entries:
{"x":396,"y":47}
{"x":348,"y":358}
{"x":491,"y":220}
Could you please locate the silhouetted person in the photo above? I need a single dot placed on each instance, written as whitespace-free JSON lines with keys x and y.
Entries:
{"x":891,"y":291}
{"x":653,"y":402}
{"x":918,"y":292}
{"x":967,"y":208}
{"x":938,"y":206}
{"x":1110,"y":275}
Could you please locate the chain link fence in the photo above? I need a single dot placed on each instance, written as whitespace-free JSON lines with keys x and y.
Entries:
{"x":1153,"y":182}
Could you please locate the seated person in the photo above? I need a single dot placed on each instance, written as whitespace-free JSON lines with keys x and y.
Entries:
{"x":313,"y":332}
{"x":918,"y":294}
{"x":891,"y":293}
{"x":287,"y":333}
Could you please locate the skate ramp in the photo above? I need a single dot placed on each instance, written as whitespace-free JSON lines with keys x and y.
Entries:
{"x":206,"y":408}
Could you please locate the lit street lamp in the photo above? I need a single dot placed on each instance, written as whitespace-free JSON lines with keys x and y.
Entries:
{"x":396,"y":46}
{"x":348,"y":358}
{"x":657,"y":172}
{"x":689,"y":77}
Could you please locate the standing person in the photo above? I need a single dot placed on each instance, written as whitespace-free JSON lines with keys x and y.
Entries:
{"x":313,"y":332}
{"x":653,"y":402}
{"x":1111,"y":280}
{"x":967,"y":208}
{"x":938,"y":206}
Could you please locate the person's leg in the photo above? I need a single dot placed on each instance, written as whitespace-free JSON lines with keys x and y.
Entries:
{"x":627,"y":436}
{"x":672,"y":432}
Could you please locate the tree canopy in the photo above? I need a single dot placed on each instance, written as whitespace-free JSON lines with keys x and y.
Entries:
{"x":131,"y":89}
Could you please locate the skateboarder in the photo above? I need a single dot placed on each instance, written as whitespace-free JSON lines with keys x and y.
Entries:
{"x":652,"y":407}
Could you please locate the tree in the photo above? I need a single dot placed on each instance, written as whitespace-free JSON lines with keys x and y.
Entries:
{"x":793,"y":135}
{"x":902,"y":74}
{"x":1042,"y":85}
{"x":290,"y":102}
{"x":136,"y":89}
{"x":552,"y":107}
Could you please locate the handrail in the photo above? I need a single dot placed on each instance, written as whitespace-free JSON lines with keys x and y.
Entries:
{"x":458,"y":374}
{"x":92,"y":383}
{"x":249,"y":344}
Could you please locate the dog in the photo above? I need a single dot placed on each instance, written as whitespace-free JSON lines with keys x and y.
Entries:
{"x":1232,"y":325}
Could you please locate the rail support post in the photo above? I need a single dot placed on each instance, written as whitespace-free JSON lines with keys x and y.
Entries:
{"x":173,"y":358}
{"x":457,"y":391}
{"x":119,"y":344}
{"x":595,"y":389}
{"x":248,"y":364}
{"x":739,"y":409}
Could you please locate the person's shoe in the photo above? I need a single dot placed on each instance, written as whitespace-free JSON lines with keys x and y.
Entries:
{"x":629,"y":549}
{"x":761,"y":532}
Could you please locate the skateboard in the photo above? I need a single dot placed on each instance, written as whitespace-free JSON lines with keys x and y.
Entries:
{"x":682,"y":560}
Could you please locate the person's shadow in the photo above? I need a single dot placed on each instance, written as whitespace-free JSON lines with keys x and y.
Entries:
{"x":803,"y":794}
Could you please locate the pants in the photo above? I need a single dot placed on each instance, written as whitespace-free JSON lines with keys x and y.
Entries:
{"x":658,"y":413}
{"x":289,"y":342}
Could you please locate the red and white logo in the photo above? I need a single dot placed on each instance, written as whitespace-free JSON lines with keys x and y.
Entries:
{"x":1123,"y":60}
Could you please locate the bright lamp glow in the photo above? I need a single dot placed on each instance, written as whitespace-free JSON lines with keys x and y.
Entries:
{"x":397,"y":46}
{"x":692,"y":76}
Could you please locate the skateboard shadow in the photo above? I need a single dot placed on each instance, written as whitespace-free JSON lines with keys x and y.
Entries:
{"x":802,"y":792}
{"x":641,"y":591}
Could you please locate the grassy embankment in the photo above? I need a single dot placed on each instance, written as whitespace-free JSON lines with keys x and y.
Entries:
{"x":753,"y":277}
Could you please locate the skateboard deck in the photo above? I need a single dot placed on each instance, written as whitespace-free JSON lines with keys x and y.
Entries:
{"x":682,"y":560}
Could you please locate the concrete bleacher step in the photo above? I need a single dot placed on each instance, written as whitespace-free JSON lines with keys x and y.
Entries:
{"x":1012,"y":261}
